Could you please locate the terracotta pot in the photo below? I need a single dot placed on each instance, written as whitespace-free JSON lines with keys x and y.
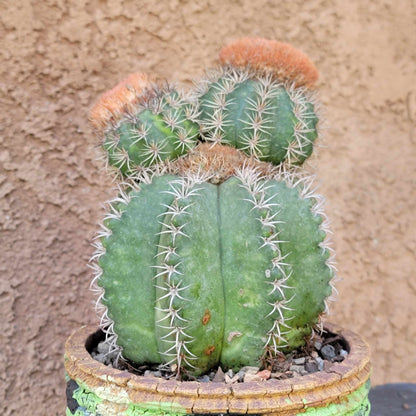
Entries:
{"x":95,"y":389}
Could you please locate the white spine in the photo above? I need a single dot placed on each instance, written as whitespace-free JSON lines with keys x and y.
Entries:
{"x":300,"y":97}
{"x":114,"y":212}
{"x":255,"y":184}
{"x":307,"y":187}
{"x":171,"y":287}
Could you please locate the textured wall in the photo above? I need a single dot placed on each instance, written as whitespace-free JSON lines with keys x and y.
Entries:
{"x":58,"y":56}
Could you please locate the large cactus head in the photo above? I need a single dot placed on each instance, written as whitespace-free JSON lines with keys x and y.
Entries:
{"x":260,"y":101}
{"x":220,"y":257}
{"x":202,"y":267}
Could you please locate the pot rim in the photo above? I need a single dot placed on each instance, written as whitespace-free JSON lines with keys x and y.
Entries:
{"x":294,"y":394}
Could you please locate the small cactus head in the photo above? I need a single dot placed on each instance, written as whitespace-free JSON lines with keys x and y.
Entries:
{"x":143,"y":124}
{"x":268,"y":119}
{"x":281,"y":60}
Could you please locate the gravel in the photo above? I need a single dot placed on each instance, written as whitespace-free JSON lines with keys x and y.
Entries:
{"x":320,"y":354}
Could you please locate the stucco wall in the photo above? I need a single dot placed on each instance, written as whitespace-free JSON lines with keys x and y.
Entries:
{"x":58,"y":56}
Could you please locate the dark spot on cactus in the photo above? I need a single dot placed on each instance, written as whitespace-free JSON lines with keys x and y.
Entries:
{"x":209,"y":350}
{"x":206,"y":317}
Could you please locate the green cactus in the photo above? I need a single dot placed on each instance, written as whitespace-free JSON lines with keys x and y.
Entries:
{"x":159,"y":128}
{"x":201,"y":274}
{"x":214,"y":258}
{"x":270,"y":120}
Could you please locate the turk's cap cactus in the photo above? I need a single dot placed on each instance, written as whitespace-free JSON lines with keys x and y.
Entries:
{"x":216,"y":251}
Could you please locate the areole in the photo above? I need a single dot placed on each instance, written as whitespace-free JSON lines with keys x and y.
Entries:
{"x":95,"y":389}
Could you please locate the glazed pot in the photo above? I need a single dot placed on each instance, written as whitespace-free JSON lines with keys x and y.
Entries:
{"x":96,"y":389}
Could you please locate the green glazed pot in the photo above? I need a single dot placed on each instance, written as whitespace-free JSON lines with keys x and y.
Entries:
{"x":97,"y":390}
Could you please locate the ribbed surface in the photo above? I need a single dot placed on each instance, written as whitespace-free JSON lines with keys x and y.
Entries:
{"x":161,"y":128}
{"x":267,"y":119}
{"x":197,"y":274}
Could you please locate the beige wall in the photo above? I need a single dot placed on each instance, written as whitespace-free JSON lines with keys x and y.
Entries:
{"x":58,"y":56}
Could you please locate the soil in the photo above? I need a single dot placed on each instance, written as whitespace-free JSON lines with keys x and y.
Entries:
{"x":317,"y":355}
{"x":58,"y":56}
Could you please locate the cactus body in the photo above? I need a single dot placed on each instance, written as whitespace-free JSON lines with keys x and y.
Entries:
{"x":267,"y":119}
{"x":158,"y":129}
{"x":201,"y":274}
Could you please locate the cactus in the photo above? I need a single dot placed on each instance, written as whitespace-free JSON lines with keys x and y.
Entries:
{"x":144,"y":124}
{"x":214,"y":258}
{"x":257,"y":101}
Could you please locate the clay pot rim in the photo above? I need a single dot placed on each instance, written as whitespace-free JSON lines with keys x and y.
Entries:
{"x":311,"y":389}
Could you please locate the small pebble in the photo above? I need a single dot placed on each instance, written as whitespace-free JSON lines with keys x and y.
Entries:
{"x":297,"y":368}
{"x":311,"y":367}
{"x":219,"y":376}
{"x":240,"y":375}
{"x":320,"y":362}
{"x":264,"y":374}
{"x":250,"y":370}
{"x":343,"y":353}
{"x":204,"y":379}
{"x":102,"y":347}
{"x":106,"y":359}
{"x":318,"y":345}
{"x":251,"y":377}
{"x":231,"y":380}
{"x":230,"y":373}
{"x":299,"y":361}
{"x":328,"y":352}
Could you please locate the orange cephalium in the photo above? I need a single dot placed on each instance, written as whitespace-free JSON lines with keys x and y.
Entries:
{"x":124,"y":96}
{"x":282,"y":60}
